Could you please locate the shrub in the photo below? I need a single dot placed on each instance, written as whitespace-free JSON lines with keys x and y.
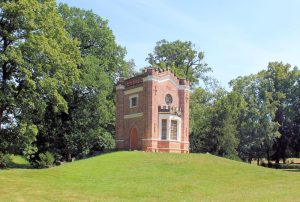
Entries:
{"x":233,"y":157}
{"x":30,"y":152}
{"x":104,"y":141}
{"x":46,"y":160}
{"x":4,"y":160}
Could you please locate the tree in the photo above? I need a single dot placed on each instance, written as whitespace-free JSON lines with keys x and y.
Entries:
{"x":131,"y":68}
{"x":201,"y":104}
{"x":283,"y":82}
{"x":38,"y":65}
{"x":294,"y":111}
{"x":256,"y":128}
{"x":224,"y":123}
{"x":213,"y":121}
{"x":89,"y":122}
{"x":182,"y":58}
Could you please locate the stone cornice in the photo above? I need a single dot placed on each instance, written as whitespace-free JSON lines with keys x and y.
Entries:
{"x":130,"y":116}
{"x":164,"y":79}
{"x":120,"y":87}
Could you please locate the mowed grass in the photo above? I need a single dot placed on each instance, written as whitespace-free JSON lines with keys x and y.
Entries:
{"x":140,"y":176}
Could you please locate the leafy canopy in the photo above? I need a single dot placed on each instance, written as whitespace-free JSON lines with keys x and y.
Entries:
{"x":182,"y":58}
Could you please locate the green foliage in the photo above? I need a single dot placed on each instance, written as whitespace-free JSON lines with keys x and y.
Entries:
{"x":4,"y":160}
{"x":30,"y":151}
{"x":201,"y":103}
{"x":104,"y":141}
{"x":38,"y":62}
{"x":46,"y":160}
{"x":257,"y":130}
{"x":283,"y":83}
{"x":58,"y":66}
{"x":213,"y":122}
{"x":182,"y":58}
{"x":267,"y":124}
{"x":259,"y":118}
{"x":89,"y":121}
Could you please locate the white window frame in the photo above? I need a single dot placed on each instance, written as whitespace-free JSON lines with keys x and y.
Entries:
{"x":130,"y":100}
{"x":160,"y":129}
{"x":169,"y":117}
{"x":176,"y":129}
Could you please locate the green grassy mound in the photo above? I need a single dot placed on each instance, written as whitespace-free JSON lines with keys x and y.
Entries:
{"x":140,"y":176}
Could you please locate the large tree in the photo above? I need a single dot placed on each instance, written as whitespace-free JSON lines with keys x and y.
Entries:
{"x":256,"y":128}
{"x":38,"y":61}
{"x":214,"y":122}
{"x":183,"y":59}
{"x":89,"y":122}
{"x":282,"y":84}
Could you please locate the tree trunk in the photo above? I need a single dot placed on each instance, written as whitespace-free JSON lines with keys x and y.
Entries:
{"x":187,"y":72}
{"x":258,"y":161}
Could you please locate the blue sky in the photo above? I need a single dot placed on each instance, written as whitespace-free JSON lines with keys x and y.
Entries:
{"x":237,"y":37}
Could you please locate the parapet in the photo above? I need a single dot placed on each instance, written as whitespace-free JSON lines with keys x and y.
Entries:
{"x":154,"y":74}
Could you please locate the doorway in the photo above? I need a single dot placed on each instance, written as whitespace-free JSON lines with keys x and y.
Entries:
{"x":133,"y":139}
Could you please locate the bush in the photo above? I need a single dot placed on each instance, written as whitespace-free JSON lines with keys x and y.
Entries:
{"x":30,"y":152}
{"x":4,"y":160}
{"x":233,"y":157}
{"x":46,"y":160}
{"x":103,"y":141}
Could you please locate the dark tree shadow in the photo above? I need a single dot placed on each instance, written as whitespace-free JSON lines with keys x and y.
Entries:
{"x":11,"y":165}
{"x":292,"y":170}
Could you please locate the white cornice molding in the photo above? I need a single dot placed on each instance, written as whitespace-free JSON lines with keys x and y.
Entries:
{"x":120,"y":87}
{"x":154,"y":139}
{"x":130,"y":116}
{"x":183,"y":87}
{"x":164,"y":79}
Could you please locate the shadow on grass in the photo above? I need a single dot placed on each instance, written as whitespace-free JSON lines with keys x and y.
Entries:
{"x":18,"y":162}
{"x":292,"y":170}
{"x":14,"y":165}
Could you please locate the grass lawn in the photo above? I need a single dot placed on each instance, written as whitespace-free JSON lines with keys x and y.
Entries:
{"x":140,"y":176}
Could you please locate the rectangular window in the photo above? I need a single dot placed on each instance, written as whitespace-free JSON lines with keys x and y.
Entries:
{"x":133,"y":101}
{"x":164,"y":129}
{"x":173,"y":130}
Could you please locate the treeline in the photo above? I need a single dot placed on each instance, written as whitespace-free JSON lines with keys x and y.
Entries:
{"x":258,"y":118}
{"x":58,"y":68}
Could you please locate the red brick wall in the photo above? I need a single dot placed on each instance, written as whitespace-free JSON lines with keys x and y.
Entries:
{"x":152,"y":96}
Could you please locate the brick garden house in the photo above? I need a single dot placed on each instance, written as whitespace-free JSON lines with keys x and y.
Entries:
{"x":153,"y":112}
